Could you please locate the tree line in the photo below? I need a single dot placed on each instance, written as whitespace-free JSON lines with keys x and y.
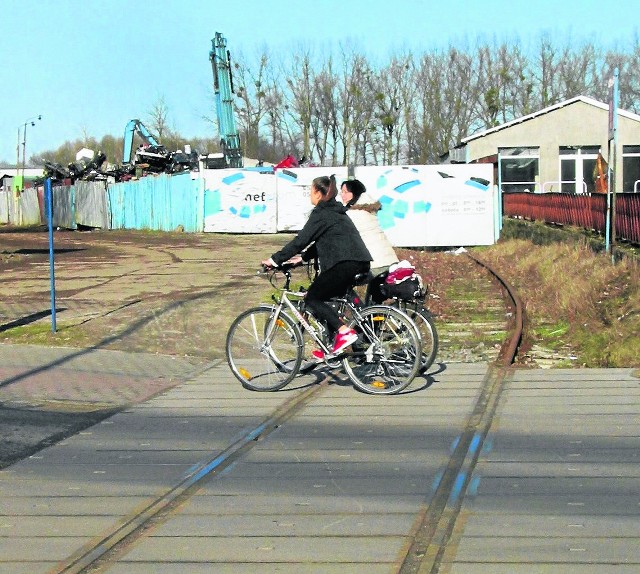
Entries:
{"x":340,"y":108}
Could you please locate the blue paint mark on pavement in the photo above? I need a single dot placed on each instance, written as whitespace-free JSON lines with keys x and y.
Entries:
{"x":473,"y":486}
{"x":457,"y":487}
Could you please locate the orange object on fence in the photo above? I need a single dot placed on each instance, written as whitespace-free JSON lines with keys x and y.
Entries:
{"x":600,"y":174}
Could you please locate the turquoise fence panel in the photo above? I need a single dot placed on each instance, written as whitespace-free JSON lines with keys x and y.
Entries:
{"x":162,"y":203}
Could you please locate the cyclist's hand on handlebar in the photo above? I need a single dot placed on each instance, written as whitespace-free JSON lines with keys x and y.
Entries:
{"x":295,"y":261}
{"x":269,"y":264}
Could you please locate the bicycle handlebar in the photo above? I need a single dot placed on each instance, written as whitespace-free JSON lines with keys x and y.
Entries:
{"x":285,"y":267}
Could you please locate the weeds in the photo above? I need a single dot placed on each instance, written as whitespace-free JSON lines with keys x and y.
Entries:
{"x":575,"y":297}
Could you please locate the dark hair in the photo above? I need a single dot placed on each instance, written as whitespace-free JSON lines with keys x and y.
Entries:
{"x":326,"y":186}
{"x":356,"y":187}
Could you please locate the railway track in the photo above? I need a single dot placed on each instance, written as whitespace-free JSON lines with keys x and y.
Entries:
{"x":473,"y":309}
{"x":435,"y":518}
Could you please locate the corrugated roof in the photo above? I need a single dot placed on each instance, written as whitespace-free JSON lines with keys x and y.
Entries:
{"x":583,"y":99}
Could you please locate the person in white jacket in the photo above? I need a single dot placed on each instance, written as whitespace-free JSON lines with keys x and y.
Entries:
{"x":362,"y":211}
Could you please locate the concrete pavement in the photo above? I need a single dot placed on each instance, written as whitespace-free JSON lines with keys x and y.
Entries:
{"x":339,"y":487}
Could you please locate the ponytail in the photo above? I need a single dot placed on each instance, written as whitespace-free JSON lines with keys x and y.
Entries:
{"x":333,"y":188}
{"x":326,"y":186}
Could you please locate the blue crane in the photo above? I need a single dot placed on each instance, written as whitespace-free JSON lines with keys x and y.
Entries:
{"x":133,"y":127}
{"x":223,"y":87}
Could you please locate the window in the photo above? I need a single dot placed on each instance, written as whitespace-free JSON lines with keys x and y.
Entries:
{"x":519,"y":169}
{"x":577,"y":166}
{"x":631,"y":168}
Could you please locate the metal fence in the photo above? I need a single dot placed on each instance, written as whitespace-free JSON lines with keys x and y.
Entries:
{"x":586,"y":211}
{"x":164,"y":202}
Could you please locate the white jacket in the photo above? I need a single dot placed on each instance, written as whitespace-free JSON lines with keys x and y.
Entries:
{"x":363,"y":215}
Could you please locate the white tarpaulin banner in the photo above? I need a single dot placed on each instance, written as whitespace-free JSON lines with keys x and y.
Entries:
{"x":428,"y":205}
{"x":433,"y":205}
{"x":239,"y":200}
{"x":293,"y":189}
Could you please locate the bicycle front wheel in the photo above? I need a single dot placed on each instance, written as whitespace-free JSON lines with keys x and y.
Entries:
{"x":428,"y":335}
{"x":263,"y":350}
{"x":386,"y":357}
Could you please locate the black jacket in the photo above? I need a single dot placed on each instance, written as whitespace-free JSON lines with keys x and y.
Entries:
{"x":336,"y":237}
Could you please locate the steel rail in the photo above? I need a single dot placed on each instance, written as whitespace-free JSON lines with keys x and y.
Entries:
{"x":436,"y":520}
{"x":509,"y":349}
{"x":433,"y":534}
{"x":90,"y":557}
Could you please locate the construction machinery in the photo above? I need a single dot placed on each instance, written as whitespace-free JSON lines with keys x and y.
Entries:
{"x":150,"y":152}
{"x":151,"y":156}
{"x":223,"y":87}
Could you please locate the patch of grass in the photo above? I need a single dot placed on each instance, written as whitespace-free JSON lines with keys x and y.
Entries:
{"x":493,"y":339}
{"x":41,"y":334}
{"x":28,"y":331}
{"x":552,"y":332}
{"x":575,"y":296}
{"x":565,"y":364}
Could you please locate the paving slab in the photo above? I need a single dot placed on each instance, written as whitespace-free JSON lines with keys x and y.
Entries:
{"x":339,"y":486}
{"x":555,"y":487}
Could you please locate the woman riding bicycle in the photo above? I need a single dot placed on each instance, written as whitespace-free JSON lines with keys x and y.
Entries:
{"x":332,"y":237}
{"x":362,"y":211}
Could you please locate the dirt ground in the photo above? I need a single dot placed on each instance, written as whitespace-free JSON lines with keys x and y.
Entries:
{"x":169,"y":293}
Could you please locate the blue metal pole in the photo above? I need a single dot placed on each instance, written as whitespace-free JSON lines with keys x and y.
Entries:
{"x":607,"y":219}
{"x":614,"y":159}
{"x":49,"y":200}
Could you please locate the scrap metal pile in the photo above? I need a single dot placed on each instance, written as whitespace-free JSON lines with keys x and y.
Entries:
{"x":149,"y":159}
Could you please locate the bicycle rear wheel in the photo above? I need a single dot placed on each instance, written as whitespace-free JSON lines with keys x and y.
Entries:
{"x":264,"y":352}
{"x":386,"y":357}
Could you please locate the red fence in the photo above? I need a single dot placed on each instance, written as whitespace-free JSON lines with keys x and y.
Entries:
{"x":587,"y":211}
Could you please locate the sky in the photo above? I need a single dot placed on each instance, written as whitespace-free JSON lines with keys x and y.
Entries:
{"x":88,"y":67}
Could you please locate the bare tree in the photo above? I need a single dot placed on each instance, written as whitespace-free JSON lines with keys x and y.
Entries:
{"x":628,"y":79}
{"x":251,"y":102}
{"x":325,"y":110}
{"x":349,"y":101}
{"x":497,"y":79}
{"x":387,"y":101}
{"x":279,"y":136}
{"x":576,"y":73}
{"x":358,"y":114}
{"x":300,"y":80}
{"x":546,"y":91}
{"x":402,"y":72}
{"x":447,"y":90}
{"x":158,"y":118}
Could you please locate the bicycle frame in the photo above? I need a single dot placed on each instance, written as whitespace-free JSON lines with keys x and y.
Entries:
{"x":284,"y":301}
